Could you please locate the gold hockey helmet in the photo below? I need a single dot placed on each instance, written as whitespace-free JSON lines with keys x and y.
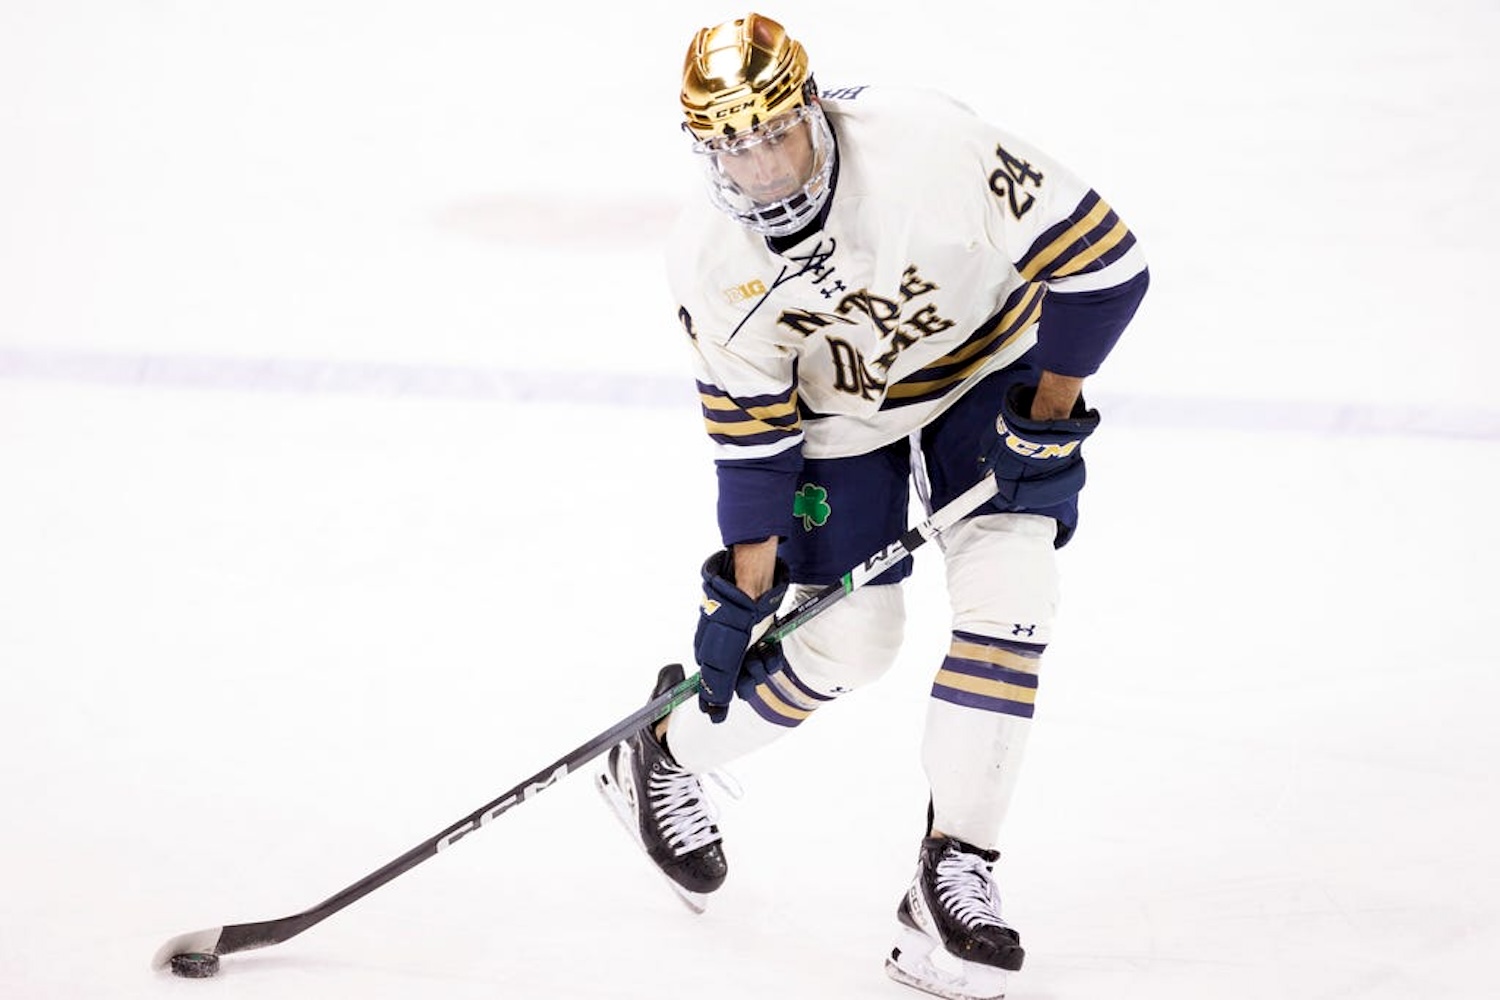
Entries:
{"x":739,"y":74}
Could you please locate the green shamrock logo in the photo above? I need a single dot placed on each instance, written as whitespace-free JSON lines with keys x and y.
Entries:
{"x":811,"y":504}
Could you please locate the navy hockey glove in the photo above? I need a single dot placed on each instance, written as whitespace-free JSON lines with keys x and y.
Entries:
{"x":726,"y":620}
{"x":1037,"y":463}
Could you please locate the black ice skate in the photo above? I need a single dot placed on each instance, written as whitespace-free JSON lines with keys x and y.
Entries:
{"x":665,"y":808}
{"x":952,"y":941}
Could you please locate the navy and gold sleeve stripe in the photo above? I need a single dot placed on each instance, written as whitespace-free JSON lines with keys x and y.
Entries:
{"x":1090,"y":239}
{"x":751,"y":420}
{"x":1020,"y":311}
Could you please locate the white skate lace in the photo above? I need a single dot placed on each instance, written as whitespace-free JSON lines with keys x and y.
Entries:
{"x":683,"y":812}
{"x":965,"y":889}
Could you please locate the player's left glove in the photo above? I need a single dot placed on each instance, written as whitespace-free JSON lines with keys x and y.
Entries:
{"x":1037,"y":463}
{"x":726,"y":622}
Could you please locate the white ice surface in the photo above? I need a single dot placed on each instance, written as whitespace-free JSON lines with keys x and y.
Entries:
{"x":347,"y":477}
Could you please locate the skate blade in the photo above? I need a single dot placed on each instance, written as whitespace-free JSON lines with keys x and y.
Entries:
{"x":625,"y":813}
{"x":911,"y":964}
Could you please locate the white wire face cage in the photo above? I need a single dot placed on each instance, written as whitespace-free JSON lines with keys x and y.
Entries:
{"x":785,"y":211}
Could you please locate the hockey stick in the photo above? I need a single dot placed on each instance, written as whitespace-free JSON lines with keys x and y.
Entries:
{"x":195,"y":953}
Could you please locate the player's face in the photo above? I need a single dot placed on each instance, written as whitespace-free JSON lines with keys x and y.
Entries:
{"x":771,"y":162}
{"x":774,"y":168}
{"x":776,"y":177}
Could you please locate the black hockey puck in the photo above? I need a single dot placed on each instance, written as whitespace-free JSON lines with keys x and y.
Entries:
{"x":195,"y":964}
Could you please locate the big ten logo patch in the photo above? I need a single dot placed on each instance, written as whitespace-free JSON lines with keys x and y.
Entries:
{"x":752,"y":289}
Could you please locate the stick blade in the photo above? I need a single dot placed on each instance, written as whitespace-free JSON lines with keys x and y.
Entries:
{"x":198,"y":941}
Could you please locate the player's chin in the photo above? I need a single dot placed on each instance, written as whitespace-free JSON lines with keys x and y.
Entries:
{"x":771,"y":194}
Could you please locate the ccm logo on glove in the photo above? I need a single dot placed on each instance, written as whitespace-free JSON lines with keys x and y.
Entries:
{"x":1032,"y":449}
{"x":1036,"y":463}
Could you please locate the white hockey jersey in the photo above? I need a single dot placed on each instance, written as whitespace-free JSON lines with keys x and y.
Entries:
{"x":942,"y":238}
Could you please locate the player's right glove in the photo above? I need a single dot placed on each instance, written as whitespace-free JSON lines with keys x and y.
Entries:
{"x":1037,"y":463}
{"x":726,"y":621}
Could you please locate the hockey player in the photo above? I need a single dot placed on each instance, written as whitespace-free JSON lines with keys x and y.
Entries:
{"x":880,"y":288}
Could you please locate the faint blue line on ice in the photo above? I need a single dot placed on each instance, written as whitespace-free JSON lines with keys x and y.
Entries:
{"x":321,"y":377}
{"x":1300,"y":416}
{"x":392,"y":379}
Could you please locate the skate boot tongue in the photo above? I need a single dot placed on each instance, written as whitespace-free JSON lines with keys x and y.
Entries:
{"x":964,"y":885}
{"x":683,"y":814}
